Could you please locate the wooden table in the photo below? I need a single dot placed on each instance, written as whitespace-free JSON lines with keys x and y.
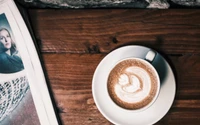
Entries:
{"x":73,"y":42}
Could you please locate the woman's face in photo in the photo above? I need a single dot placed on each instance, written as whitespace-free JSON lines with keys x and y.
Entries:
{"x":5,"y":39}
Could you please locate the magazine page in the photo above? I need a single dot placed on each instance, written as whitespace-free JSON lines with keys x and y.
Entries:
{"x":24,"y":96}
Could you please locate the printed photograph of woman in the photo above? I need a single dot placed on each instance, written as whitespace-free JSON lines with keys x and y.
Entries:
{"x":10,"y":60}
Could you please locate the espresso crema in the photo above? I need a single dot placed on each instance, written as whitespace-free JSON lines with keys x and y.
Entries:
{"x":132,"y":84}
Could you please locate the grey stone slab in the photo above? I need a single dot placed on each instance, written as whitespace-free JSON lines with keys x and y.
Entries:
{"x":160,"y":4}
{"x":194,"y":3}
{"x":86,"y":3}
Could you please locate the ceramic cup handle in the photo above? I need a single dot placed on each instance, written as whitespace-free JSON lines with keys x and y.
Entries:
{"x":150,"y":56}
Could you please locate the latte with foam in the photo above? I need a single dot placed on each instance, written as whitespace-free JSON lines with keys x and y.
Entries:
{"x":133,"y":84}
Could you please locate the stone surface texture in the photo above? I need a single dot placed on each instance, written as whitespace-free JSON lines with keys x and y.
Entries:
{"x":85,"y":3}
{"x":187,"y":2}
{"x":160,"y":4}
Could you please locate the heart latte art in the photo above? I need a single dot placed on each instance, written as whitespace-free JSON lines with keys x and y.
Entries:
{"x":132,"y":84}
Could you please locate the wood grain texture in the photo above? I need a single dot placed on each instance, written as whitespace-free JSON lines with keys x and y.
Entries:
{"x":99,"y":31}
{"x":73,"y":42}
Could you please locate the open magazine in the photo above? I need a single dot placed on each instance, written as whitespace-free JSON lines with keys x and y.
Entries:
{"x":24,"y":95}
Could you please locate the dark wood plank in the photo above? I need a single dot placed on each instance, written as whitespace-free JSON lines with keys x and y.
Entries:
{"x":70,"y":77}
{"x":102,"y":30}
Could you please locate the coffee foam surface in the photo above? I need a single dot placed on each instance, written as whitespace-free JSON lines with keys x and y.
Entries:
{"x":132,"y":84}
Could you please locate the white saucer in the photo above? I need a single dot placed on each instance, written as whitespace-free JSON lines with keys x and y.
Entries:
{"x":120,"y":116}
